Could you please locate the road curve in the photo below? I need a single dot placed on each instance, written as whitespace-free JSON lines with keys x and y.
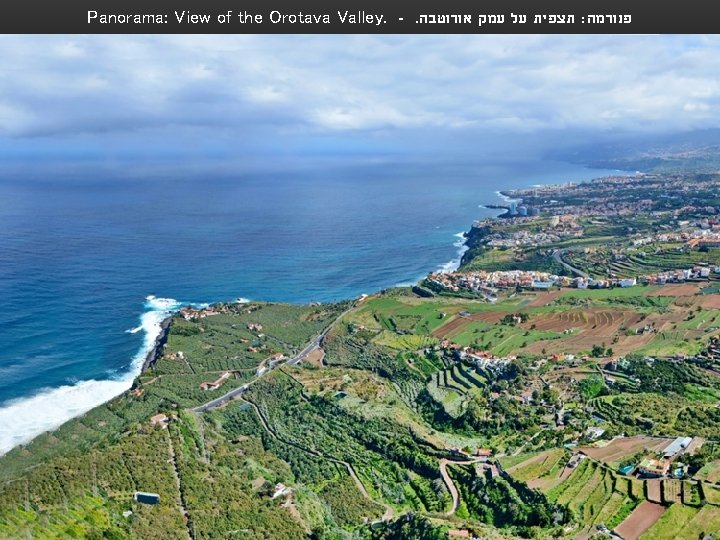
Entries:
{"x":450,"y":484}
{"x":557,"y":255}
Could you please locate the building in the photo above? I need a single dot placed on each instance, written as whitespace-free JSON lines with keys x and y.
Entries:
{"x":675,"y":447}
{"x":215,"y":384}
{"x":146,"y":498}
{"x":523,"y":211}
{"x":513,"y":208}
{"x":159,"y":420}
{"x":653,"y":468}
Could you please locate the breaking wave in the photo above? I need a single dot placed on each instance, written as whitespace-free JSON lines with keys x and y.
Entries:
{"x":23,"y":419}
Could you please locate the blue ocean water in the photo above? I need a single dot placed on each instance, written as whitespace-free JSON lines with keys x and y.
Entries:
{"x":79,"y":257}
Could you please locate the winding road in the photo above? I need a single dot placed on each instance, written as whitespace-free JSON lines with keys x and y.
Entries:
{"x":450,"y":484}
{"x":557,"y":255}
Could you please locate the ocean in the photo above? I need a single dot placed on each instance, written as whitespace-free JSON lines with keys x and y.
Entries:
{"x":90,"y":265}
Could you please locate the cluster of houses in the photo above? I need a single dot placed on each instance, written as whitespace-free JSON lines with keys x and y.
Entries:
{"x":561,"y":227}
{"x":532,"y":239}
{"x":489,"y":281}
{"x":596,"y":197}
{"x":482,"y":359}
{"x":678,"y":276}
{"x":190,"y":313}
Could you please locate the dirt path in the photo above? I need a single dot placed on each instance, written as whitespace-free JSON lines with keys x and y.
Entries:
{"x":176,"y":473}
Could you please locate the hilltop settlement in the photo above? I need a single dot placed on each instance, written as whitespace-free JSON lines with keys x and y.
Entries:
{"x":564,"y":382}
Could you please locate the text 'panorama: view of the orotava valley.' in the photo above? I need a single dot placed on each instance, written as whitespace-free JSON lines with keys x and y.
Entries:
{"x":308,"y":365}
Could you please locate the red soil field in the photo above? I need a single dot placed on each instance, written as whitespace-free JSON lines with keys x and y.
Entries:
{"x":618,"y":449}
{"x":642,"y":518}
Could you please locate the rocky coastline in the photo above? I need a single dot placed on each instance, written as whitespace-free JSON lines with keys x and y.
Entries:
{"x":155,"y":353}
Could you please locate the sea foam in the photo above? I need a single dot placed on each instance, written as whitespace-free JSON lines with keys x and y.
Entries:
{"x":23,"y":419}
{"x":454,"y":264}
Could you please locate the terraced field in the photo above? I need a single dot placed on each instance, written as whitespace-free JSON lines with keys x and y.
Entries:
{"x":404,"y":342}
{"x":453,"y":386}
{"x":594,"y":494}
{"x":682,"y":522}
{"x":602,"y":322}
{"x":546,"y":464}
{"x":642,"y":518}
{"x":710,"y":472}
{"x":603,"y":263}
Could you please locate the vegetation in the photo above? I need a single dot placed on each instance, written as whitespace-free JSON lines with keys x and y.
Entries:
{"x":506,"y":397}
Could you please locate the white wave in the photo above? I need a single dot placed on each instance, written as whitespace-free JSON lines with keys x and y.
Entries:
{"x":454,"y":264}
{"x":134,"y":330}
{"x":506,"y":198}
{"x":25,"y":418}
{"x":242,"y":300}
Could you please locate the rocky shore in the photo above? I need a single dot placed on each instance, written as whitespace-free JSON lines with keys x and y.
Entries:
{"x":156,"y":351}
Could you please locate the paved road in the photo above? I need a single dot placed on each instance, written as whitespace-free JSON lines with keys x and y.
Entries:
{"x":557,"y":255}
{"x":450,"y":484}
{"x":310,"y":347}
{"x":307,"y":350}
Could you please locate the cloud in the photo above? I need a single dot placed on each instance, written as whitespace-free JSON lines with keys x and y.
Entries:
{"x":241,"y":87}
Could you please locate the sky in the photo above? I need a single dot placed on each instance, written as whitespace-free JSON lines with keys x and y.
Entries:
{"x":112,"y":98}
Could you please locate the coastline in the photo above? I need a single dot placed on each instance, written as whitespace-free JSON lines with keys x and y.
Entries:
{"x":19,"y":422}
{"x":156,"y":322}
{"x":156,"y":351}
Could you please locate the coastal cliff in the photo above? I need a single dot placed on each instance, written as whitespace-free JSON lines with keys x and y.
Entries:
{"x":474,"y":242}
{"x":155,"y":353}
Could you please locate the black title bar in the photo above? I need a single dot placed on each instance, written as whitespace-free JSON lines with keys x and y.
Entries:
{"x":323,"y":17}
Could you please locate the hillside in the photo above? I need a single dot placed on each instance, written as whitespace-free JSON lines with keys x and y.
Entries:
{"x":395,"y":423}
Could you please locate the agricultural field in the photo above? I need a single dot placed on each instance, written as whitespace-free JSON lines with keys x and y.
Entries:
{"x":709,"y":473}
{"x":541,"y":471}
{"x":622,"y":261}
{"x":668,"y":415}
{"x":359,"y":437}
{"x":647,"y":320}
{"x":642,"y":518}
{"x":685,"y":523}
{"x":596,"y":495}
{"x":618,"y":450}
